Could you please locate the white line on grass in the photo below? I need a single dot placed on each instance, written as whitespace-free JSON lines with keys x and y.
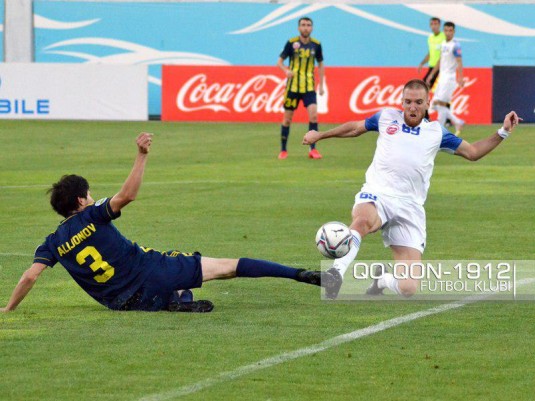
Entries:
{"x":331,"y":342}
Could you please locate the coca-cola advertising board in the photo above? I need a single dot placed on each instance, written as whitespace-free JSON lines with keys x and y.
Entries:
{"x":255,"y":94}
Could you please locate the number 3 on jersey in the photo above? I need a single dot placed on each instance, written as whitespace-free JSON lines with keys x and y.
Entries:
{"x":97,"y":264}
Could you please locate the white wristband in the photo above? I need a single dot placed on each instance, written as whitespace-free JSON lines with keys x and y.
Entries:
{"x":503,"y":133}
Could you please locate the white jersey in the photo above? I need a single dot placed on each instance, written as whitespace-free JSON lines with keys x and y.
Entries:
{"x":449,"y":52}
{"x":405,"y":156}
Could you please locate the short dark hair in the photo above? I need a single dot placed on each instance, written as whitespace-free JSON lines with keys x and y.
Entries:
{"x":449,"y":23}
{"x":304,"y":19}
{"x":416,"y":84}
{"x":64,"y":194}
{"x":435,"y":19}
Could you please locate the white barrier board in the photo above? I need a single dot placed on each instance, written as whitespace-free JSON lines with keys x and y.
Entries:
{"x":73,"y":91}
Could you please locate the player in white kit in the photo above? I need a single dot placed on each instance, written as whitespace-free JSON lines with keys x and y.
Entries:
{"x":451,"y":75}
{"x":398,"y":179}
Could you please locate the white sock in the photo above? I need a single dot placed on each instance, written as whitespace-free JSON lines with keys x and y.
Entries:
{"x":442,"y":114}
{"x":446,"y":114}
{"x":387,"y":280}
{"x":342,"y":264}
{"x":453,"y":118}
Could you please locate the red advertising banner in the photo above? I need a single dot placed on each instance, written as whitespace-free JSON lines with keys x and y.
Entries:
{"x":240,"y":93}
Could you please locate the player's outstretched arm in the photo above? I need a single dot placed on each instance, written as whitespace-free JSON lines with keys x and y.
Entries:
{"x":131,"y":186}
{"x":25,"y":284}
{"x":475,"y":151}
{"x":347,"y":130}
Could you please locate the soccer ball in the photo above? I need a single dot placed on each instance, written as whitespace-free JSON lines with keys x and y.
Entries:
{"x":333,"y":240}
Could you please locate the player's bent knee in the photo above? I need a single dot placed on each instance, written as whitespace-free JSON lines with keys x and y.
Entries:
{"x":214,"y":269}
{"x":287,"y":118}
{"x":362,"y":224}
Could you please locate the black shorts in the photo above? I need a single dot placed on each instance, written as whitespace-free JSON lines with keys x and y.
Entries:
{"x":291,"y":99}
{"x":179,"y":272}
{"x":432,"y":82}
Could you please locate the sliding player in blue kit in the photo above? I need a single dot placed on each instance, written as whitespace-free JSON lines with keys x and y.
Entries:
{"x":122,"y":275}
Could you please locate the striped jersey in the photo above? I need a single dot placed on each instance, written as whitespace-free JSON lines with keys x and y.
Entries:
{"x":302,"y":60}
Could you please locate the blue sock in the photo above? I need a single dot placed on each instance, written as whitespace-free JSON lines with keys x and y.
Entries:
{"x":263,"y":268}
{"x":285,"y":133}
{"x":313,"y":126}
{"x":186,"y":296}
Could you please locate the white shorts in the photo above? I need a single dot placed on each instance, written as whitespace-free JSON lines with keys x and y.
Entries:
{"x":445,"y":88}
{"x":403,"y":222}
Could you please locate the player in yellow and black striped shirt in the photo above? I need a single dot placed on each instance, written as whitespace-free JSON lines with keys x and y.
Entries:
{"x":303,"y":51}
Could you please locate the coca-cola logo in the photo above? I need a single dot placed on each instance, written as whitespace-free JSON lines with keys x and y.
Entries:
{"x":369,"y":96}
{"x":263,"y":92}
{"x":392,"y":129}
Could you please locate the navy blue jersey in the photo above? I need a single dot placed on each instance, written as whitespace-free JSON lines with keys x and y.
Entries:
{"x":99,"y":258}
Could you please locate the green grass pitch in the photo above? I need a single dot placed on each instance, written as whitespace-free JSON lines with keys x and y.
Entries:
{"x":219,"y":189}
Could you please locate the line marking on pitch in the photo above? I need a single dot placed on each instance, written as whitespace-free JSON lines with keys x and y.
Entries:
{"x":313,"y":349}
